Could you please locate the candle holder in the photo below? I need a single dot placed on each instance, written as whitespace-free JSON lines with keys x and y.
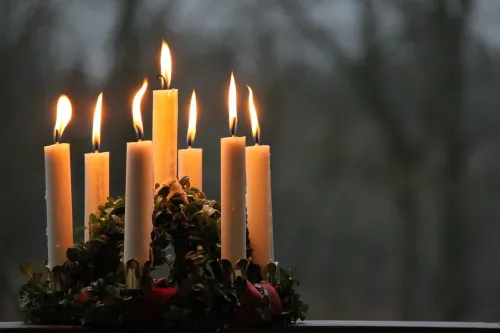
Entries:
{"x":202,"y":292}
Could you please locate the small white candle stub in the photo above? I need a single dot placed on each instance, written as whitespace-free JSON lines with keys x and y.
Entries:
{"x":191,"y":159}
{"x":58,"y":190}
{"x":96,"y":173}
{"x":139,"y":191}
{"x":233,"y":224}
{"x":165,"y":123}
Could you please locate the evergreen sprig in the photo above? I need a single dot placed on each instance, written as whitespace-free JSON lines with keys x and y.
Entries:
{"x":91,"y":283}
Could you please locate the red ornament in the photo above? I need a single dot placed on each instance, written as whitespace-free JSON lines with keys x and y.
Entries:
{"x":274,"y":299}
{"x":150,"y":305}
{"x":249,"y":301}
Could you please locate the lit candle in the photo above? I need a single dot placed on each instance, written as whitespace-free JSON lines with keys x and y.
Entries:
{"x":165,"y":118}
{"x":233,"y":224}
{"x":191,"y":159}
{"x":259,"y":208}
{"x":139,"y":190}
{"x":58,"y":190}
{"x":96,"y":173}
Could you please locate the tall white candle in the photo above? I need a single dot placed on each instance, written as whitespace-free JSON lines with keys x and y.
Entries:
{"x":191,"y":159}
{"x":96,"y":173}
{"x":233,"y":224}
{"x":165,"y":124}
{"x":58,"y":190}
{"x":139,"y":191}
{"x":259,"y":207}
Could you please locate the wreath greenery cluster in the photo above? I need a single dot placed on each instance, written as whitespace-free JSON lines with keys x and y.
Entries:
{"x":89,"y":289}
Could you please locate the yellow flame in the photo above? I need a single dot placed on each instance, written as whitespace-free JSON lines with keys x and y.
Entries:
{"x":166,"y":63}
{"x":136,"y":110}
{"x":192,"y":120}
{"x":232,"y":106}
{"x":96,"y":129}
{"x":253,"y":116}
{"x":64,"y":111}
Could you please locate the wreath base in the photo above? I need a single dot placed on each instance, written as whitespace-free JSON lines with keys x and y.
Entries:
{"x":95,"y":288}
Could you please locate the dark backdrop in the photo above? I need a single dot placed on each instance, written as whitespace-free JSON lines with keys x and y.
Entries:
{"x":383,"y":118}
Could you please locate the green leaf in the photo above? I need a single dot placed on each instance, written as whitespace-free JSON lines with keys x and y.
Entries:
{"x":37,"y":279}
{"x":73,"y":254}
{"x":163,"y":192}
{"x":184,"y":182}
{"x":26,"y":269}
{"x":93,"y":219}
{"x":79,"y":229}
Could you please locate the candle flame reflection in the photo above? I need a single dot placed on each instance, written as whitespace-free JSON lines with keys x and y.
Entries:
{"x":253,"y":117}
{"x":166,"y":64}
{"x":64,"y":111}
{"x":136,"y":110}
{"x":233,"y":117}
{"x":96,"y":129}
{"x":192,"y":120}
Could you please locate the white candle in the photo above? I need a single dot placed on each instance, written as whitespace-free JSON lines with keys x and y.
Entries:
{"x":233,"y":224}
{"x":165,"y":123}
{"x":96,"y":173}
{"x":191,"y":159}
{"x":58,"y":190}
{"x":139,"y":192}
{"x":259,"y":207}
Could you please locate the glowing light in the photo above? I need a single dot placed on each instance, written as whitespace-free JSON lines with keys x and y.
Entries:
{"x":253,"y":117}
{"x":96,"y":128}
{"x":233,"y":116}
{"x":136,"y":111}
{"x":166,"y":63}
{"x":64,"y":112}
{"x":192,"y":120}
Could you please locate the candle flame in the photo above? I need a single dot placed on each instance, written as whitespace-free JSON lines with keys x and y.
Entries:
{"x":136,"y":110}
{"x":233,"y":117}
{"x":192,"y":120}
{"x":166,"y":64}
{"x":63,"y":116}
{"x":253,"y":117}
{"x":96,"y":129}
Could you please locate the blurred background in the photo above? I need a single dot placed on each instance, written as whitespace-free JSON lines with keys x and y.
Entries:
{"x":383,"y":119}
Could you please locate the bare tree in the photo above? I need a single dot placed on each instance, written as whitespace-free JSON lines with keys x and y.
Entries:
{"x":441,"y":114}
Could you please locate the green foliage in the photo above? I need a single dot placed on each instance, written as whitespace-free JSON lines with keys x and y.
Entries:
{"x":292,"y":305}
{"x":89,"y":288}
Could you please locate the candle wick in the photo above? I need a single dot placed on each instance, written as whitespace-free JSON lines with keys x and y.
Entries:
{"x":163,"y":82}
{"x":96,"y":151}
{"x":256,"y":136}
{"x":96,"y":146}
{"x":233,"y":126}
{"x":138,"y":132}
{"x":56,"y":136}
